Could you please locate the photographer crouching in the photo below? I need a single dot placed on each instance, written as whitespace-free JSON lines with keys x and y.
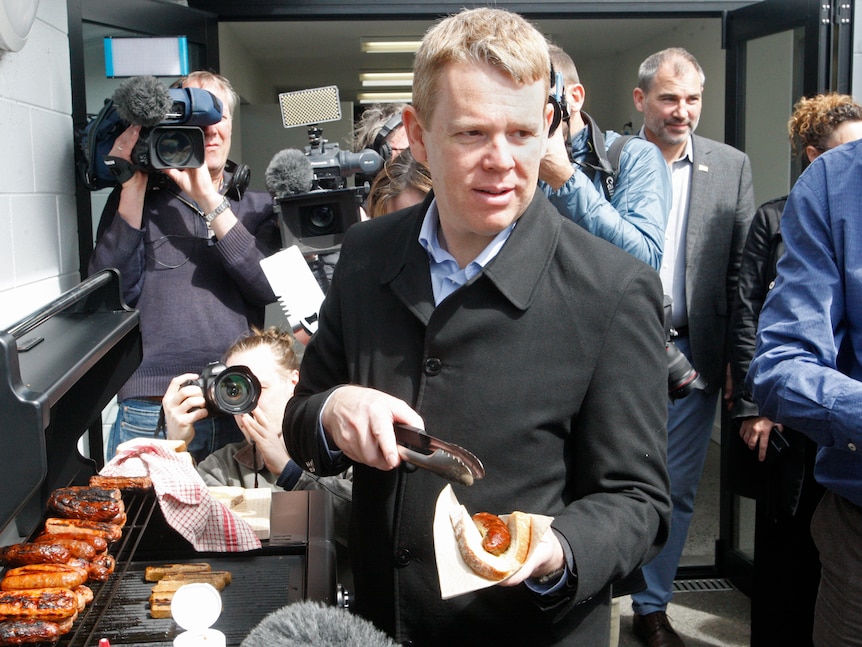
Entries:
{"x":188,"y":240}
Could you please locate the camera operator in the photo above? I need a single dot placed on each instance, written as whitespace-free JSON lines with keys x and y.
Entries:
{"x":188,"y":243}
{"x":635,"y":216}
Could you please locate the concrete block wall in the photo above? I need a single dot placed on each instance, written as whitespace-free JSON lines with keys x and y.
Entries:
{"x":38,"y":227}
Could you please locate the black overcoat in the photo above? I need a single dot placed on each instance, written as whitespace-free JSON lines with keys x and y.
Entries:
{"x":550,"y":366}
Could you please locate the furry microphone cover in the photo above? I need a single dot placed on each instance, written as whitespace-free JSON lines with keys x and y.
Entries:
{"x":314,"y":624}
{"x":143,"y":101}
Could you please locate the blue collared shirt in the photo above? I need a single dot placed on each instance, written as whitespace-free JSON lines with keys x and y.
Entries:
{"x":446,"y":275}
{"x":807,"y":368}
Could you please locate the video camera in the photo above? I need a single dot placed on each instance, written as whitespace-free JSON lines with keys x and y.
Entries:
{"x":310,"y":187}
{"x":232,"y":390}
{"x":178,"y":140}
{"x":171,"y":135}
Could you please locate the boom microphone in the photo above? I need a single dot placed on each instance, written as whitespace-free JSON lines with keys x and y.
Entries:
{"x":143,"y":101}
{"x":289,"y":173}
{"x":313,"y":624}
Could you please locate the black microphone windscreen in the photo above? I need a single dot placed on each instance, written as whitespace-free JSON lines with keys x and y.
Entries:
{"x":143,"y":101}
{"x":313,"y":624}
{"x":289,"y":173}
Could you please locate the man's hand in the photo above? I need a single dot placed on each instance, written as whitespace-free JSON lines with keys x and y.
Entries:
{"x":556,"y":168}
{"x":755,"y":432}
{"x":359,"y":420}
{"x":546,"y":558}
{"x":184,"y":406}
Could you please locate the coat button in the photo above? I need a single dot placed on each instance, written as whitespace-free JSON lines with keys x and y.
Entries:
{"x":433,"y":366}
{"x":851,"y":447}
{"x":403,"y":557}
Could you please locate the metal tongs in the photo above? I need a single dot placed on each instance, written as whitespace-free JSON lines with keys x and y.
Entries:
{"x":450,"y":461}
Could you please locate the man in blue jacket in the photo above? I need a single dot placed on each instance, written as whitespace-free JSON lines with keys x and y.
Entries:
{"x":634,"y":217}
{"x":807,"y":369}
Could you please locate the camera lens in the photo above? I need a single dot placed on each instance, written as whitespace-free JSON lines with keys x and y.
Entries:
{"x":321,"y":220}
{"x":174,"y":148}
{"x":236,"y":391}
{"x":682,"y":378}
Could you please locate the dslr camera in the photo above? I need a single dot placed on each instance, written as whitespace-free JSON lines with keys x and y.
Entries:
{"x":682,"y":378}
{"x":316,"y":220}
{"x":230,"y":390}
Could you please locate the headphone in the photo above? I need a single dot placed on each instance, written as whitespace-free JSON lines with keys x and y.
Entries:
{"x":239,"y":179}
{"x":380,"y":145}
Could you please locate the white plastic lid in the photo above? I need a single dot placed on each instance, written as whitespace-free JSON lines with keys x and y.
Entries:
{"x":196,"y":606}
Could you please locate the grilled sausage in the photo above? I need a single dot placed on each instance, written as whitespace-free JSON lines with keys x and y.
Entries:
{"x":73,"y":541}
{"x":84,"y":594}
{"x":51,"y":604}
{"x":87,"y":502}
{"x":124,"y":483}
{"x":24,"y":632}
{"x":99,"y":569}
{"x":78,"y":549}
{"x":40,"y":576}
{"x":495,"y":533}
{"x":34,"y":553}
{"x":108,"y":531}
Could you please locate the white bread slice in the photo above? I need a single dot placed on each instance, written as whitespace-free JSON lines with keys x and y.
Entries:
{"x":483,"y":563}
{"x":230,"y":495}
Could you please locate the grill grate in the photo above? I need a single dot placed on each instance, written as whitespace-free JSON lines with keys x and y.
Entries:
{"x":701,"y":585}
{"x":120,"y":612}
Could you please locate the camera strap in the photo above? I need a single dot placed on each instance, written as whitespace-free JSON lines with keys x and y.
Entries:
{"x":602,"y":160}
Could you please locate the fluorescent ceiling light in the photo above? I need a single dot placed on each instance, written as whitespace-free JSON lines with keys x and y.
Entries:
{"x":386,"y":79}
{"x":389,"y":46}
{"x":385,"y":97}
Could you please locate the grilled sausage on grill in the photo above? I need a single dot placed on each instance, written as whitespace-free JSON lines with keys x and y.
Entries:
{"x":40,"y":576}
{"x":109,"y":531}
{"x":73,"y":541}
{"x":23,"y":632}
{"x":34,"y":553}
{"x":124,"y":483}
{"x":52,"y":604}
{"x":87,"y":502}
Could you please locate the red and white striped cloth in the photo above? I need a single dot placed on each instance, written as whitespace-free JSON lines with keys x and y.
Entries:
{"x":186,"y":502}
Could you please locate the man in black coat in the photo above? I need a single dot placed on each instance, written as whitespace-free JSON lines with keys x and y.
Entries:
{"x":485,"y":318}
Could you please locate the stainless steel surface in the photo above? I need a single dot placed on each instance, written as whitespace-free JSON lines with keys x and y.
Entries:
{"x":448,"y":460}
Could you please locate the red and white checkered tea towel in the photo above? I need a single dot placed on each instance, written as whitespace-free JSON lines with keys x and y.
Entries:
{"x":186,"y":502}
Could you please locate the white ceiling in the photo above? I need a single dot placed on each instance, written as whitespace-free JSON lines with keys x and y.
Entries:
{"x":299,"y":55}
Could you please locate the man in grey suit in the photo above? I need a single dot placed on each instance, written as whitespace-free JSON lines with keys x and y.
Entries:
{"x":713,"y":204}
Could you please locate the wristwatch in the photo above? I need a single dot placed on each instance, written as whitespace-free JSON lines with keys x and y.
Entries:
{"x":212,"y":215}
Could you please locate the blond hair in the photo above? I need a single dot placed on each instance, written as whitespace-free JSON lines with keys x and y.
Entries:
{"x":485,"y":35}
{"x":279,"y":341}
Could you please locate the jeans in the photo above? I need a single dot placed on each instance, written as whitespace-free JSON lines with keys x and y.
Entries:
{"x":139,"y":419}
{"x":689,"y":429}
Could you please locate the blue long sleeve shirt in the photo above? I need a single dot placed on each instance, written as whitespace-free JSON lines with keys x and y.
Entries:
{"x":635,"y":218}
{"x":807,"y":368}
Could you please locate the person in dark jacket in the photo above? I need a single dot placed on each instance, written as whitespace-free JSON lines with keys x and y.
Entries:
{"x":484,"y":317}
{"x":786,"y":564}
{"x":188,"y":244}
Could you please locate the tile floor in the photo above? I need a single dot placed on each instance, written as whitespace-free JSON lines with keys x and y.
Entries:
{"x":703,"y":618}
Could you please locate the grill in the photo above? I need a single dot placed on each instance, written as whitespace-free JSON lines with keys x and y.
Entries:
{"x":58,"y":369}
